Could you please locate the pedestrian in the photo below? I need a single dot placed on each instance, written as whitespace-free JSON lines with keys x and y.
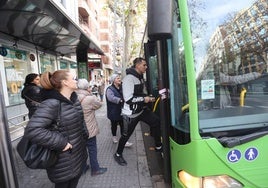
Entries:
{"x":61,"y":104}
{"x":31,"y":92}
{"x":134,"y":108}
{"x":90,"y":103}
{"x":94,"y":90}
{"x":101,"y":88}
{"x":115,"y":101}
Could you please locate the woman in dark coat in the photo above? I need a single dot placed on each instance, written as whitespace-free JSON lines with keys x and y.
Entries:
{"x":31,"y":92}
{"x":69,"y":140}
{"x":114,"y":98}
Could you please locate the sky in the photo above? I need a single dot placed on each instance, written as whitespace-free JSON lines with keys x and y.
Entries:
{"x":218,"y":9}
{"x":214,"y":14}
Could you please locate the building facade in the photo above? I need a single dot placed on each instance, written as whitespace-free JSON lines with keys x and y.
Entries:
{"x":38,"y":36}
{"x":240,"y":45}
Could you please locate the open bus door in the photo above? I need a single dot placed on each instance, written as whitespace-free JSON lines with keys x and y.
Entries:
{"x":156,"y":71}
{"x":8,"y":178}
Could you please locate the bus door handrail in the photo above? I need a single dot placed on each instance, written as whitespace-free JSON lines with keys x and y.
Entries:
{"x":17,"y":126}
{"x":242,"y":96}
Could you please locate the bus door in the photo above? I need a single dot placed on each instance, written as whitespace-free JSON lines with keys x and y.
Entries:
{"x":158,"y":87}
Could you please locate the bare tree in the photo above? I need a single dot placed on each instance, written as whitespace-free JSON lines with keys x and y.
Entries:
{"x":129,"y":25}
{"x":134,"y":13}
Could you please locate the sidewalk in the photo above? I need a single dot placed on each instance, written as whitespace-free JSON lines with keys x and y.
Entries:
{"x":135,"y":175}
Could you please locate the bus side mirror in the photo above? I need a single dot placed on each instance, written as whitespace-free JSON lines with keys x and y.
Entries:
{"x":159,"y":16}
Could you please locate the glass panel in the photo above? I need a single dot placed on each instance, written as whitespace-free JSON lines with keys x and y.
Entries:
{"x":63,"y":65}
{"x":70,"y":65}
{"x":153,"y":75}
{"x":16,"y":69}
{"x":177,"y":79}
{"x":47,"y":63}
{"x":73,"y":66}
{"x":229,"y":39}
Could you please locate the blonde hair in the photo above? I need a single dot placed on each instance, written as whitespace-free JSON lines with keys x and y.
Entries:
{"x":53,"y":80}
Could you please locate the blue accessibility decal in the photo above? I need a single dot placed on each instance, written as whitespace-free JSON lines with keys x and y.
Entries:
{"x":251,"y":154}
{"x":234,"y":155}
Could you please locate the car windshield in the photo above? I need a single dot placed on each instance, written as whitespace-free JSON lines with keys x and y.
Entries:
{"x":230,"y":42}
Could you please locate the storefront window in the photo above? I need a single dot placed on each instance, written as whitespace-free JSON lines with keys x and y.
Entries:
{"x":48,"y":63}
{"x":63,"y":65}
{"x":16,"y":68}
{"x":66,"y":64}
{"x":73,"y":66}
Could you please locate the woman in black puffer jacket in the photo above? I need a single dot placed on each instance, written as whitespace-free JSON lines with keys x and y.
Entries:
{"x":70,"y":139}
{"x":31,"y":92}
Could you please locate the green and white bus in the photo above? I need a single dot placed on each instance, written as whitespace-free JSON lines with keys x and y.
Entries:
{"x":208,"y":60}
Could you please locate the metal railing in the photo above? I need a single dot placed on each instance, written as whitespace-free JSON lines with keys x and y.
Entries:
{"x":16,"y":125}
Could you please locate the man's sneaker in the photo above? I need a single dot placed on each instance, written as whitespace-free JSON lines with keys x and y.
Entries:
{"x":120,"y":160}
{"x":128,"y":144}
{"x":115,"y":139}
{"x":158,"y":148}
{"x":98,"y":172}
{"x":85,"y":169}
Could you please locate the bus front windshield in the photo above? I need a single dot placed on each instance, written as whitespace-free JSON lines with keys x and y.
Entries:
{"x":230,"y":43}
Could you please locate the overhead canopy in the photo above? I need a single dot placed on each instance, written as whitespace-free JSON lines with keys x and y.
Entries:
{"x":43,"y":25}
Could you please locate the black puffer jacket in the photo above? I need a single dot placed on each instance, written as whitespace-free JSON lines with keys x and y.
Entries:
{"x":71,"y":129}
{"x":32,"y":94}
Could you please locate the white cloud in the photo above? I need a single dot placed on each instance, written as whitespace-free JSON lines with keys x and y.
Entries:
{"x":219,"y":9}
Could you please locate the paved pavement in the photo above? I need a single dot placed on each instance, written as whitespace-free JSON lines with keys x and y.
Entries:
{"x":135,"y":175}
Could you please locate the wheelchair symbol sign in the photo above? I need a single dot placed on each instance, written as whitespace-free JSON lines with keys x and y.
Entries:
{"x":234,"y":155}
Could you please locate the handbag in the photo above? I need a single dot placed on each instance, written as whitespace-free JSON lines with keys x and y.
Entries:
{"x":36,"y":156}
{"x":33,"y":102}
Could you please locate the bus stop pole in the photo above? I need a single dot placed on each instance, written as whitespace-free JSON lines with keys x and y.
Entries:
{"x":8,"y":178}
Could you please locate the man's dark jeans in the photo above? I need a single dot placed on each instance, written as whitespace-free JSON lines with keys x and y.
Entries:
{"x":92,"y":153}
{"x":149,"y":118}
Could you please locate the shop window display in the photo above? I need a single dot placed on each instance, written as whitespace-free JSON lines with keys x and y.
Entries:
{"x":16,"y":68}
{"x":47,"y":62}
{"x":66,"y":64}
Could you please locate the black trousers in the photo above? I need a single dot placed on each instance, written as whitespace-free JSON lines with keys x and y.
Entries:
{"x":114,"y":124}
{"x":130,"y":124}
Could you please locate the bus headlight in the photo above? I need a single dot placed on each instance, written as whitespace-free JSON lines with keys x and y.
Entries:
{"x":221,"y":181}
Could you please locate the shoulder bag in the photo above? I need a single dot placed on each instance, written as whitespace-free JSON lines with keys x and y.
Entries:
{"x":33,"y":102}
{"x":36,"y":156}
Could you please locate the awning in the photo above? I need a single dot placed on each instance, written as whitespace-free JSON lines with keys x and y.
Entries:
{"x":42,"y":24}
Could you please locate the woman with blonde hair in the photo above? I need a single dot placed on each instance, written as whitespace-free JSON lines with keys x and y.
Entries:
{"x":90,"y":103}
{"x":61,"y":105}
